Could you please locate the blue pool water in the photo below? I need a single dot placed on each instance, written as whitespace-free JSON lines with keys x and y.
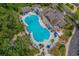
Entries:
{"x":39,"y":33}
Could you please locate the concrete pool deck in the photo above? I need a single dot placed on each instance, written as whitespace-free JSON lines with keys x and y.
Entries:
{"x":45,"y":42}
{"x":40,"y":21}
{"x":42,"y":24}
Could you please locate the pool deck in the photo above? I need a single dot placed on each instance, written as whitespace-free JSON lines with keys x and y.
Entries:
{"x":45,"y":42}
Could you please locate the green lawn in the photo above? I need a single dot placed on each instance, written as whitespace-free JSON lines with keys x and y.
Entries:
{"x":59,"y":50}
{"x":69,"y":6}
{"x":76,"y":14}
{"x":68,"y":28}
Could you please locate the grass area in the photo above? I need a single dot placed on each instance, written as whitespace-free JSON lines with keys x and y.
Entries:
{"x":21,"y":47}
{"x":7,"y":23}
{"x":60,"y":7}
{"x":9,"y":26}
{"x":70,"y":7}
{"x":76,"y":14}
{"x":68,"y":28}
{"x":59,"y":50}
{"x":19,"y":26}
{"x":62,"y":49}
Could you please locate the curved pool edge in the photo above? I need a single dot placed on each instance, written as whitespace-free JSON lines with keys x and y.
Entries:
{"x":41,"y":23}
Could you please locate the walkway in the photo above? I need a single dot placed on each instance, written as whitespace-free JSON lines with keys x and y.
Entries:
{"x":19,"y":34}
{"x":69,"y":40}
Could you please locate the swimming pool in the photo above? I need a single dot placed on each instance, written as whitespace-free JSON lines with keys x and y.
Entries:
{"x":38,"y":31}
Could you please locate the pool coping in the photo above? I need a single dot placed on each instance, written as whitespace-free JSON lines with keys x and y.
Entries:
{"x":31,"y":35}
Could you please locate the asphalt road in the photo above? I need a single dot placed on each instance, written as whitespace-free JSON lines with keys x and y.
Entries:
{"x":74,"y":44}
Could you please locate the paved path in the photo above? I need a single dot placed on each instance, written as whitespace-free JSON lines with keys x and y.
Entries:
{"x":69,"y":40}
{"x":73,"y":47}
{"x":19,"y":34}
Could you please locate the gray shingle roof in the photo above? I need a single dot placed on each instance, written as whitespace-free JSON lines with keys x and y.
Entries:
{"x":54,"y":16}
